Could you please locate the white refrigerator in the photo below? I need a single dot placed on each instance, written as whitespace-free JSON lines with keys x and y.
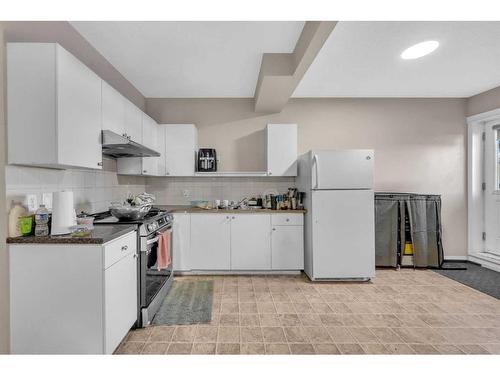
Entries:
{"x":339,"y":223}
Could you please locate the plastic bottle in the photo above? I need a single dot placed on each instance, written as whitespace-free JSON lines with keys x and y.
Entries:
{"x":15,"y":213}
{"x":41,"y":221}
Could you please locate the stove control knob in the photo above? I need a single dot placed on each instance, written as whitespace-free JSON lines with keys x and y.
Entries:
{"x":150,"y":228}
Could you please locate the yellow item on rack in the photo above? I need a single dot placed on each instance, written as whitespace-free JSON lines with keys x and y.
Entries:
{"x":408,"y":248}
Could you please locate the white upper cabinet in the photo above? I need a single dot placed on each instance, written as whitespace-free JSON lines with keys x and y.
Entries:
{"x":54,"y":108}
{"x":133,"y":122}
{"x":181,"y":143}
{"x":149,"y":132}
{"x":148,"y":166}
{"x":281,"y":149}
{"x":162,"y":166}
{"x":150,"y":140}
{"x":113,"y":110}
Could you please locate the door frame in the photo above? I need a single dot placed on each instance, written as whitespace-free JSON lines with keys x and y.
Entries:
{"x":475,"y":192}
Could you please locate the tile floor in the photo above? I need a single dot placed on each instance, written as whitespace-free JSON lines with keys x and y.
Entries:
{"x":398,"y":312}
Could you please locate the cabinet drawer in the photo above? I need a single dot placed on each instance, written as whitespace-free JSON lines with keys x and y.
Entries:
{"x":287,"y":219}
{"x":119,"y":248}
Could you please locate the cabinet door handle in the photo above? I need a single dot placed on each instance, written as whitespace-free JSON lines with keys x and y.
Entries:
{"x":287,"y":219}
{"x":135,"y":256}
{"x":99,"y":163}
{"x":124,"y":248}
{"x":233,"y":218}
{"x":144,"y":171}
{"x":274,"y":229}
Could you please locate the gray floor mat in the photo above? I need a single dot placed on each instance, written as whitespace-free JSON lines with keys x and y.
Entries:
{"x":477,"y":277}
{"x":188,"y":302}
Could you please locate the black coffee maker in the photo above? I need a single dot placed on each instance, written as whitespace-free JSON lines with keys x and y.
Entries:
{"x":207,"y":160}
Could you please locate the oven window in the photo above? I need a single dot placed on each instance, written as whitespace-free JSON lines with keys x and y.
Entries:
{"x":154,"y":279}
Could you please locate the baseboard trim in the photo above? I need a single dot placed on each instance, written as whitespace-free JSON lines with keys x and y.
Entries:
{"x":456,"y":258}
{"x":486,"y":261}
{"x":240,"y":273}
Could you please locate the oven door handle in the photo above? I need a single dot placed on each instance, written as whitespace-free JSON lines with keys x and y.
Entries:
{"x":153,"y":240}
{"x":157,"y":238}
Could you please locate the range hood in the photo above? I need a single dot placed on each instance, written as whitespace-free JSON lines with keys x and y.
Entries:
{"x":119,"y":146}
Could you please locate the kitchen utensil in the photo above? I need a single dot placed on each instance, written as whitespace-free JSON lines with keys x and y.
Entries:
{"x":127,"y":212}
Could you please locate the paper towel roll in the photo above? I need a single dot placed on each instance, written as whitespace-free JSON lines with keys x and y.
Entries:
{"x":63,"y":212}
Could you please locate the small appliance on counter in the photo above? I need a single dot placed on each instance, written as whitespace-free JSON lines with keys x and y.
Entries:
{"x":207,"y":160}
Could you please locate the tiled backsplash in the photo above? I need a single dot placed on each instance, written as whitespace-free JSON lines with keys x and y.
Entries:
{"x":171,"y":190}
{"x":93,"y":190}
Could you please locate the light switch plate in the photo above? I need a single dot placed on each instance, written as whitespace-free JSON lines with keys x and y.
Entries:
{"x":31,"y":202}
{"x":47,"y":200}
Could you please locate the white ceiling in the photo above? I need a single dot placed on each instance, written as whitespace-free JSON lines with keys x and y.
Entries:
{"x":362,"y":59}
{"x":190,"y":59}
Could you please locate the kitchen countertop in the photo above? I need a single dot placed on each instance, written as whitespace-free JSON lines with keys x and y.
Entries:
{"x":99,"y":235}
{"x":190,"y":209}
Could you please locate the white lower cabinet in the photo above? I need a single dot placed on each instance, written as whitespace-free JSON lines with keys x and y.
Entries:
{"x":287,"y":244}
{"x":210,"y":242}
{"x":181,"y":242}
{"x":250,"y":242}
{"x":238,"y":242}
{"x":72,"y":299}
{"x":120,"y":300}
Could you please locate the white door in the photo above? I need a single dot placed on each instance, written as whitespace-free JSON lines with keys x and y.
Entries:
{"x":133,"y":122}
{"x":181,"y":242}
{"x":492,"y":192}
{"x":120,"y":300}
{"x":251,"y":242}
{"x":333,"y":169}
{"x":282,"y":149}
{"x":287,"y":244}
{"x":210,"y":242}
{"x":78,"y":113}
{"x":343,"y":231}
{"x":113,"y":109}
{"x":180,"y":150}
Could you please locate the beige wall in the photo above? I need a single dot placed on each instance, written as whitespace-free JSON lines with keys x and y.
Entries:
{"x":483,"y":102}
{"x":4,"y":269}
{"x":64,"y":34}
{"x":420,"y":144}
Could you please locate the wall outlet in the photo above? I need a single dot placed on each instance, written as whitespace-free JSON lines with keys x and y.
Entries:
{"x":47,"y":200}
{"x":31,"y":202}
{"x":185,"y":193}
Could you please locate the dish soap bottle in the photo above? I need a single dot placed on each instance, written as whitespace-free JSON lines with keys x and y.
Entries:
{"x":16,"y":212}
{"x":41,"y":221}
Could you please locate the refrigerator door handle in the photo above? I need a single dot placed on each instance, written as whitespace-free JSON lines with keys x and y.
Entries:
{"x":316,"y":162}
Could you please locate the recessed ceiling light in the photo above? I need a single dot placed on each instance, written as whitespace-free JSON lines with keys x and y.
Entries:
{"x":419,"y":50}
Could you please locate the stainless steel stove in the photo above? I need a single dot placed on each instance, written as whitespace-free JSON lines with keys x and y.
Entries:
{"x":153,"y":284}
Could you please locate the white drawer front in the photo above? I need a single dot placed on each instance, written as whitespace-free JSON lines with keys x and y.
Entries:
{"x":287,"y":219}
{"x":119,"y":248}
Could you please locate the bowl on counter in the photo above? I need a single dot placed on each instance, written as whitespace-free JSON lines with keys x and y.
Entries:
{"x":128,"y":212}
